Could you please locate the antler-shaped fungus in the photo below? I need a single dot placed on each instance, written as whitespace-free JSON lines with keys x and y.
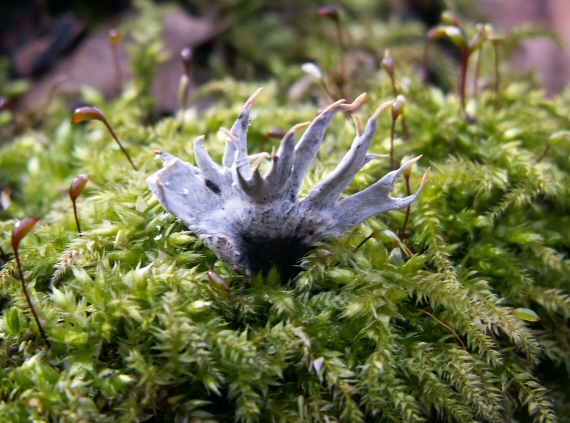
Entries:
{"x":253,"y":222}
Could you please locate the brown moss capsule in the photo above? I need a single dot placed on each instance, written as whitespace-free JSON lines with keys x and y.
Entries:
{"x":398,"y":106}
{"x":114,"y":36}
{"x":186,"y":57}
{"x":217,"y":281}
{"x":184,"y":86}
{"x":330,"y":12}
{"x":449,"y":18}
{"x":74,"y":192}
{"x":77,"y":186}
{"x":115,"y":39}
{"x":388,"y":64}
{"x":4,"y":103}
{"x":20,"y":230}
{"x":82,"y":114}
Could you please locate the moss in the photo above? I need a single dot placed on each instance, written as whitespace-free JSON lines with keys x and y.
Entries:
{"x":139,"y":332}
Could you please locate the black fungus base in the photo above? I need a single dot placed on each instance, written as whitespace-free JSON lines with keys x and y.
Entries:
{"x":263,"y":253}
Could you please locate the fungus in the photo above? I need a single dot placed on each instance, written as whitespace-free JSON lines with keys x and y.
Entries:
{"x":254,"y":222}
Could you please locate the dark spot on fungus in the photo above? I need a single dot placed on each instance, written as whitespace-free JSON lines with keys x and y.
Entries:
{"x":213,"y":187}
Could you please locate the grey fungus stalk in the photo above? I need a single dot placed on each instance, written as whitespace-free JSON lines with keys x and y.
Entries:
{"x":254,"y":222}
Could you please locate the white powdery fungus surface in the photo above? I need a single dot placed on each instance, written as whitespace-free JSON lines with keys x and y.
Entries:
{"x":253,"y":222}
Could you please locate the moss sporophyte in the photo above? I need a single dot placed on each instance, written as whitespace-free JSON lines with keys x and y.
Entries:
{"x":254,"y":222}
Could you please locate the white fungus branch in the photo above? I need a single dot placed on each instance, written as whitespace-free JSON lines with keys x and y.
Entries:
{"x":253,"y":222}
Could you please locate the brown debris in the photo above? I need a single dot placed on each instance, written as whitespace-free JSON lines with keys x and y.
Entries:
{"x":91,"y":63}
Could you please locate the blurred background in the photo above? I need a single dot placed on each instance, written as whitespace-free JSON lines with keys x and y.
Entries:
{"x":63,"y":45}
{"x":550,"y":59}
